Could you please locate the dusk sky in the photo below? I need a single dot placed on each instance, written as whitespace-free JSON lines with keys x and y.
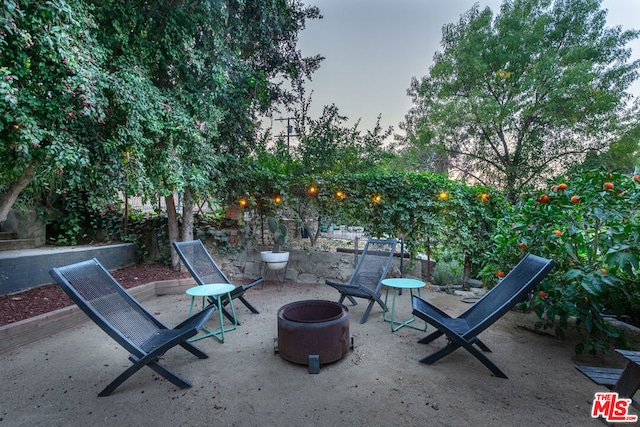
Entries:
{"x":374,"y":47}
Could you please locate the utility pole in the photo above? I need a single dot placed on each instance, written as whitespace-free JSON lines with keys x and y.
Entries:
{"x":289,"y":130}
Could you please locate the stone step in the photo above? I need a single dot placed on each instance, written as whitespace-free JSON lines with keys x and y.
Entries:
{"x":8,"y":235}
{"x":14,"y":244}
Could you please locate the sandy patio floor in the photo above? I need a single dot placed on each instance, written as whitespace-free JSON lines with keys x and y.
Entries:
{"x":55,"y":381}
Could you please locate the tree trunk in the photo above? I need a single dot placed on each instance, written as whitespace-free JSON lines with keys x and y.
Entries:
{"x":8,"y":198}
{"x":174,"y":230}
{"x":187,"y":216}
{"x":467,"y":269}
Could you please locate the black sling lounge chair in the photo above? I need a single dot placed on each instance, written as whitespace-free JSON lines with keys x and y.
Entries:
{"x":366,"y":280}
{"x":205,"y":271}
{"x":463,"y":331}
{"x":110,"y":306}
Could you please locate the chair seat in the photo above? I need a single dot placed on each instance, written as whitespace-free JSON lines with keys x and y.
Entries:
{"x":602,"y":376}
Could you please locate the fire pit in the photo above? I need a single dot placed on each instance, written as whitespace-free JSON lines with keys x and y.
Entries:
{"x":313,"y":332}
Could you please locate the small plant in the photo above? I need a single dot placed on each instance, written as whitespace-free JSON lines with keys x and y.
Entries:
{"x":447,"y":273}
{"x":279,"y":231}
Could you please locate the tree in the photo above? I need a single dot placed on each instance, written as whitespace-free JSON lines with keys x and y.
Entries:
{"x":327,"y":146}
{"x":51,"y":84}
{"x":515,"y":97}
{"x":623,"y":155}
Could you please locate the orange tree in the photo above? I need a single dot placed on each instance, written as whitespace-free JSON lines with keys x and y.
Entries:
{"x":590,"y":224}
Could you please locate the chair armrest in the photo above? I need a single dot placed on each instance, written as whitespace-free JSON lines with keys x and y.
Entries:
{"x":255,"y":282}
{"x":340,"y":284}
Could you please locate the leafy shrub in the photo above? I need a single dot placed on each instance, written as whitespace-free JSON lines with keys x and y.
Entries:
{"x":447,"y":273}
{"x":589,"y":224}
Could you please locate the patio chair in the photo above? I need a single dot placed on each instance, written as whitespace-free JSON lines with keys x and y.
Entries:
{"x":110,"y":306}
{"x":463,"y":331}
{"x":205,"y":271}
{"x":624,"y":381}
{"x":370,"y":270}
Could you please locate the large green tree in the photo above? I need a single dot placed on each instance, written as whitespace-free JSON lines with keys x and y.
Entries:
{"x":148,"y":97}
{"x":213,"y":66}
{"x":51,"y":86}
{"x":514,"y":96}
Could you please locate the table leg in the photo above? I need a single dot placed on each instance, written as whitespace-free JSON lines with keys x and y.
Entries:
{"x":191,"y":307}
{"x":218,"y":334}
{"x":393,"y":321}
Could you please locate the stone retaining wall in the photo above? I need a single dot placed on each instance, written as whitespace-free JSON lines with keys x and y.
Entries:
{"x":308,"y":267}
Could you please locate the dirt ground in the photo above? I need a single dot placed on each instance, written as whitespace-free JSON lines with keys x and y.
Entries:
{"x":55,"y":381}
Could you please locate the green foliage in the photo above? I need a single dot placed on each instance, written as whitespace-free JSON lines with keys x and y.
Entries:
{"x":146,"y":97}
{"x":520,"y":95}
{"x":447,"y":273}
{"x":328,"y":145}
{"x":593,"y":233}
{"x":52,"y":87}
{"x":426,"y":209}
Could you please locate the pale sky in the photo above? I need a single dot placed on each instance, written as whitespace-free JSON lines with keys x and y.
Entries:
{"x":374,"y":47}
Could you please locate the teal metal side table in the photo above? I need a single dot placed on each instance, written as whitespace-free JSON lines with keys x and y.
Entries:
{"x":214,"y":290}
{"x":399,"y":284}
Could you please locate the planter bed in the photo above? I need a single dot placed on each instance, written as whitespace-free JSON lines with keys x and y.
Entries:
{"x":29,"y":330}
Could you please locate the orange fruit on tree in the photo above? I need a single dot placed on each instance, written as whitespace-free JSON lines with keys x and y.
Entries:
{"x":558,"y":233}
{"x":636,"y":177}
{"x":608,"y":185}
{"x":562,"y":187}
{"x":575,"y":199}
{"x":522,"y":245}
{"x":603,"y":270}
{"x":554,"y":188}
{"x":500,"y":274}
{"x":544,"y":198}
{"x":543,"y":294}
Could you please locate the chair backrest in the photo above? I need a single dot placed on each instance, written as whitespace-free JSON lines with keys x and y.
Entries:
{"x":199,"y":263}
{"x":512,"y":289}
{"x":108,"y":304}
{"x":373,"y":264}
